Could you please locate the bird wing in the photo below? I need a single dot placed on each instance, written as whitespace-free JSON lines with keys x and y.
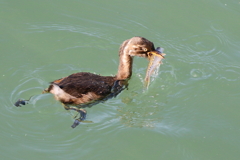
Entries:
{"x":79,"y":84}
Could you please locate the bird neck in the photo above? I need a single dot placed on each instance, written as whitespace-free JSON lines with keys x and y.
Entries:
{"x":125,"y":67}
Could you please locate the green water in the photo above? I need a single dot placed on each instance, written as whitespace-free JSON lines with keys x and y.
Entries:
{"x":190,"y":111}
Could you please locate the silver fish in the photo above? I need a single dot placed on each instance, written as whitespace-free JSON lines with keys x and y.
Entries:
{"x":155,"y":60}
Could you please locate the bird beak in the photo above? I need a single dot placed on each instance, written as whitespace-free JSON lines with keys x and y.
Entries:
{"x":156,"y":53}
{"x":155,"y":60}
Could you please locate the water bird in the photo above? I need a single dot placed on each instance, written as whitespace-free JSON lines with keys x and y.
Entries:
{"x":80,"y":90}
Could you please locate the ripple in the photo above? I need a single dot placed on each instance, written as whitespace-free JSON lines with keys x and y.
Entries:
{"x":199,"y":74}
{"x":204,"y":45}
{"x":32,"y":83}
{"x":81,"y":29}
{"x":231,"y":73}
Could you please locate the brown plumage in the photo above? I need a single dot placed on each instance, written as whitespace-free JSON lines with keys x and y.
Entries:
{"x":82,"y":89}
{"x":86,"y":89}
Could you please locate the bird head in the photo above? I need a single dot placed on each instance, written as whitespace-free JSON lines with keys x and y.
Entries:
{"x":141,"y":47}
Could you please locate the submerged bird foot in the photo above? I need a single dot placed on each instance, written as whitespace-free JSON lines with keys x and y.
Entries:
{"x":81,"y":111}
{"x":82,"y":117}
{"x":20,"y":102}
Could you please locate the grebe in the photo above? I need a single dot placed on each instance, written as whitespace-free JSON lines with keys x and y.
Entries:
{"x":84,"y":89}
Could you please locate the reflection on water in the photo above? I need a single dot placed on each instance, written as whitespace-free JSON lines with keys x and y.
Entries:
{"x":144,"y":115}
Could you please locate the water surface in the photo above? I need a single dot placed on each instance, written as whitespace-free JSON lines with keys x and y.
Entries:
{"x":190,"y":111}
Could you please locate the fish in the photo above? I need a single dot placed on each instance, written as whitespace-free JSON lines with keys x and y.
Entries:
{"x":155,"y":60}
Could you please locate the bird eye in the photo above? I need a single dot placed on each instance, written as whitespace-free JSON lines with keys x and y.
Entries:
{"x":145,"y":49}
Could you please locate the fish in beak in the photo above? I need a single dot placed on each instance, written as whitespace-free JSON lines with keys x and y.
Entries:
{"x":155,"y":60}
